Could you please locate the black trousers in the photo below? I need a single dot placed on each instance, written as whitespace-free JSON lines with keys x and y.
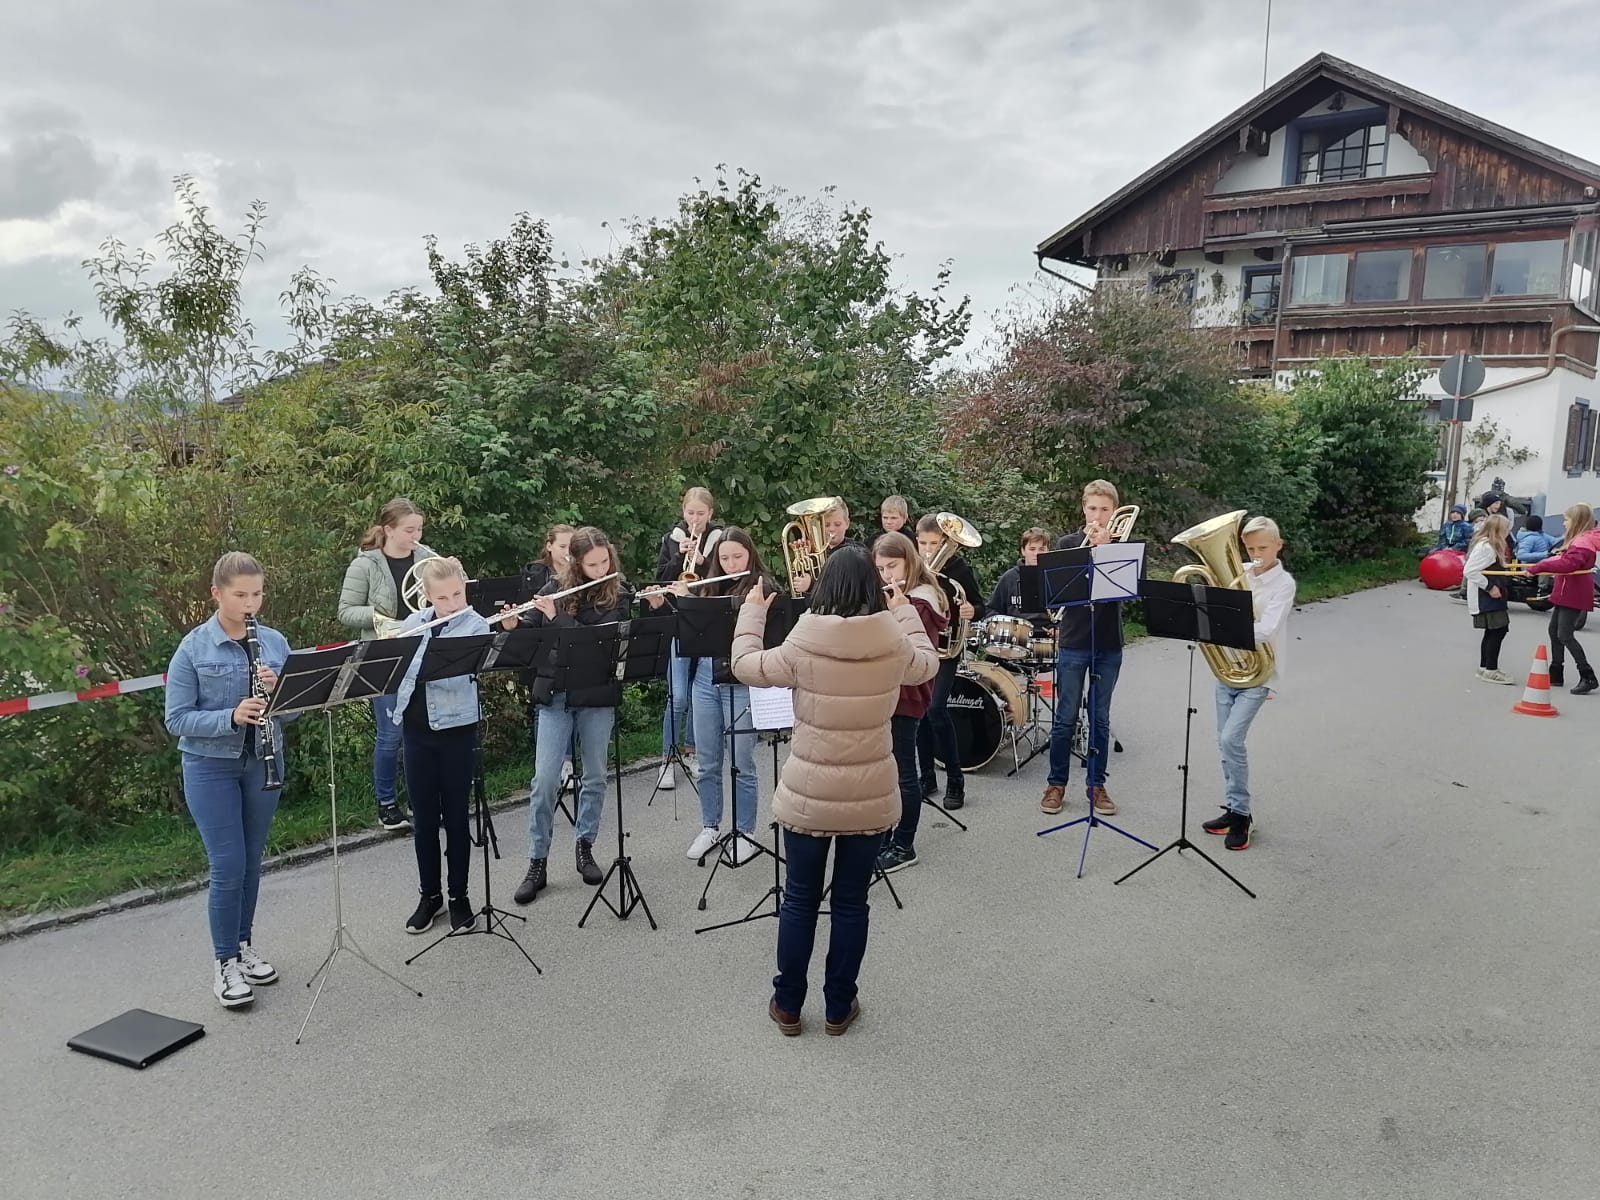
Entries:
{"x":439,"y":778}
{"x":1489,"y":650}
{"x":937,"y":733}
{"x":1564,"y":623}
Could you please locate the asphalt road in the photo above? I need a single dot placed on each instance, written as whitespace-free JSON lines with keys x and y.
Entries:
{"x":1406,"y":1011}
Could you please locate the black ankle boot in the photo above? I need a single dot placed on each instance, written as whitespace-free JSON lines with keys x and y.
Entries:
{"x":1586,"y":684}
{"x":586,"y":864}
{"x":532,"y":883}
{"x":1558,"y":676}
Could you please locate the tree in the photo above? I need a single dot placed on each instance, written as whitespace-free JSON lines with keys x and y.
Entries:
{"x":1486,"y":446}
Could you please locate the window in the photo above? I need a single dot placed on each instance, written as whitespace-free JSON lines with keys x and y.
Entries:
{"x":1332,"y":153}
{"x":1579,"y":454}
{"x":1382,"y":275}
{"x":1580,"y":277}
{"x":1319,"y":279}
{"x":1455,"y":272}
{"x":1260,"y":294}
{"x":1527,"y":268}
{"x":1179,"y":284}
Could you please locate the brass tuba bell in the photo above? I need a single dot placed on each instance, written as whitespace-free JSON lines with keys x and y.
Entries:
{"x":805,"y":550}
{"x":1216,"y":544}
{"x":959,"y":534}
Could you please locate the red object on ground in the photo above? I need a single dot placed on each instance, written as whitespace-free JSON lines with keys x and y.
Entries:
{"x":1442,"y":569}
{"x":1535,"y":700}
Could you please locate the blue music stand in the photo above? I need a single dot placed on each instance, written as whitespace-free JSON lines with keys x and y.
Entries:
{"x":1086,"y":576}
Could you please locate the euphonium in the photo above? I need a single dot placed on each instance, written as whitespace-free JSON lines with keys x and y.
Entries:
{"x":805,"y":553}
{"x":1216,"y":544}
{"x":959,"y":534}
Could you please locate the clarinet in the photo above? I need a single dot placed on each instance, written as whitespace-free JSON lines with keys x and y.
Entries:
{"x":266,"y":739}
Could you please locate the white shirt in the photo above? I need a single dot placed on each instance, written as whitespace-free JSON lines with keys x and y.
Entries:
{"x":1272,"y":600}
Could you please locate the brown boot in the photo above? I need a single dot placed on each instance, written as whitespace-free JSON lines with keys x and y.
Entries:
{"x":1101,"y":800}
{"x":788,"y":1023}
{"x":1053,"y":800}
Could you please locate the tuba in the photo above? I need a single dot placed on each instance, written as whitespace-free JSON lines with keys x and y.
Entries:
{"x":805,"y":550}
{"x":1216,"y":544}
{"x":959,"y":534}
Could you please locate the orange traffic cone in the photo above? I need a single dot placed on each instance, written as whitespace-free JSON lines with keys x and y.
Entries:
{"x":1535,"y":700}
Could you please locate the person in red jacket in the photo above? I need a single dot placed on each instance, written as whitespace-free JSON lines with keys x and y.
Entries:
{"x":1572,"y":596}
{"x":902,"y":570}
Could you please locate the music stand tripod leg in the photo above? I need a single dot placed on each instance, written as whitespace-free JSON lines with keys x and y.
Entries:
{"x":629,"y":894}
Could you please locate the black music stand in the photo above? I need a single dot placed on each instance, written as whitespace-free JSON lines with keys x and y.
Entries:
{"x":621,"y":653}
{"x":490,"y":595}
{"x":1196,"y":614}
{"x":705,"y":631}
{"x":322,"y":680}
{"x":673,"y":761}
{"x":1076,"y":578}
{"x":447,"y":658}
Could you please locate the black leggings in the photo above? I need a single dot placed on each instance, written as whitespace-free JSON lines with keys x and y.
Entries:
{"x":1564,"y":638}
{"x":1489,"y":651}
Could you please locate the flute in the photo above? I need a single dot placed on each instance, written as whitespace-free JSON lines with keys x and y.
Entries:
{"x":664,"y":588}
{"x":510,"y":612}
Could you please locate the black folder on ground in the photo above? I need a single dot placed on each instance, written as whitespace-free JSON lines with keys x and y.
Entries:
{"x":137,"y":1038}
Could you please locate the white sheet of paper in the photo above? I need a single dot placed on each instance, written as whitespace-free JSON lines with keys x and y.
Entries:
{"x":772,"y":708}
{"x":1118,"y":567}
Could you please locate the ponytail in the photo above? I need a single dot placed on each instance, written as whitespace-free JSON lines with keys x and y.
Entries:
{"x":389,"y":516}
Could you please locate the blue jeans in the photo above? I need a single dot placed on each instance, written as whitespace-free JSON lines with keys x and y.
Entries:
{"x":557,"y":724}
{"x":936,"y":733}
{"x":385,"y":751}
{"x":905,"y":731}
{"x":232,"y":811}
{"x":1072,"y":672}
{"x":676,"y":727}
{"x":710,"y":725}
{"x":806,"y":860}
{"x":1236,"y":708}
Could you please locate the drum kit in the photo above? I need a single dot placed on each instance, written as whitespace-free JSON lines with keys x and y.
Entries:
{"x":1000,"y":698}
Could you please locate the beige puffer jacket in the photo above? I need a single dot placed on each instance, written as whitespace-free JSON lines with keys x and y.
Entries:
{"x":846,"y":673}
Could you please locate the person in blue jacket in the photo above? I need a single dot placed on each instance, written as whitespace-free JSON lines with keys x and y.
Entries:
{"x":1533,"y":543}
{"x":1457,"y":531}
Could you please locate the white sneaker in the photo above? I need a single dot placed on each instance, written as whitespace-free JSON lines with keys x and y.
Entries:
{"x":1482,"y":673}
{"x":257,"y":970}
{"x":566,"y":770}
{"x":229,"y":985}
{"x":1497,"y":677}
{"x":668,"y":779}
{"x":744,"y":850}
{"x":703,"y":842}
{"x":691,"y":768}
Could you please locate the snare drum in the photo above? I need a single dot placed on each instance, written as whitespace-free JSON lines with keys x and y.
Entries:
{"x":1042,"y":645}
{"x":986,"y":703}
{"x":1005,"y":637}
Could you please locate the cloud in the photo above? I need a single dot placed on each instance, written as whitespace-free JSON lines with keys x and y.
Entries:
{"x":45,"y":162}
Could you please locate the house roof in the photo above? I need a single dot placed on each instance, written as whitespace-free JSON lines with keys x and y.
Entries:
{"x":1319,"y":76}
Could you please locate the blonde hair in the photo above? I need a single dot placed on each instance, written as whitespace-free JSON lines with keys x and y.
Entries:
{"x":1264,"y":525}
{"x":439,"y":570}
{"x":841,"y":508}
{"x":1576,"y":521}
{"x":698,"y":495}
{"x":550,"y":537}
{"x":898,"y":545}
{"x":232,"y":565}
{"x":1493,"y":530}
{"x":1101,"y":487}
{"x":896,"y":504}
{"x":390,"y":515}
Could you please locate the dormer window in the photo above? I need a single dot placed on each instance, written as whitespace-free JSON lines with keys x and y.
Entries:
{"x":1342,"y":150}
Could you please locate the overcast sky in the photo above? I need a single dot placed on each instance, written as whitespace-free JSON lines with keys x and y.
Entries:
{"x":971,"y":129}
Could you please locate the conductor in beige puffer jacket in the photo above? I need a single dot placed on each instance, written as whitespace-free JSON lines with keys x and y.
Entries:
{"x":846,"y":660}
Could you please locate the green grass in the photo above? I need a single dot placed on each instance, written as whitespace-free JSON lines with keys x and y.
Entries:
{"x":1340,"y":579}
{"x":161,"y":849}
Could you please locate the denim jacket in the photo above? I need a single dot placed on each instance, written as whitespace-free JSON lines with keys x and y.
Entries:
{"x":451,"y":702}
{"x":207,"y":677}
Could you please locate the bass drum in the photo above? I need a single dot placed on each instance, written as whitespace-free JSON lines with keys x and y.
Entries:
{"x":986,"y":703}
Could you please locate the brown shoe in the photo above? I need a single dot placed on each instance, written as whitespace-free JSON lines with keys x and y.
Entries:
{"x":835,"y":1028}
{"x":1102,"y":802}
{"x":788,"y":1023}
{"x":1053,"y":801}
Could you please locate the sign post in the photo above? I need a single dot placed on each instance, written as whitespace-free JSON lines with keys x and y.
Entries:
{"x":1460,"y":376}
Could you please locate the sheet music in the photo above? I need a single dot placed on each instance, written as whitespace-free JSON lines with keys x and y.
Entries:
{"x":772,"y":708}
{"x":1118,"y":567}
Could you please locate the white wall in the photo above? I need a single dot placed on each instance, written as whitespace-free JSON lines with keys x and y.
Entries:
{"x":1251,"y":172}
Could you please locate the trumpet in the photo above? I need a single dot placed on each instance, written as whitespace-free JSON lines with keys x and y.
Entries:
{"x":691,"y":560}
{"x":663,"y":589}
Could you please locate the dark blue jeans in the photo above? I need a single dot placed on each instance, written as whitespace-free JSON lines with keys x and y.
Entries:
{"x":233,"y":812}
{"x":806,"y":858}
{"x":1072,"y":673}
{"x":905,"y":731}
{"x":439,"y":779}
{"x":937,"y":733}
{"x":385,"y":751}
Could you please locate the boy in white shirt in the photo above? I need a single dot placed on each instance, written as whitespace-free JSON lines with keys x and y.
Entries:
{"x":1273,"y":591}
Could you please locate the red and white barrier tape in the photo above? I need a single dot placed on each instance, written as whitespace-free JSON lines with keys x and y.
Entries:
{"x":119,"y":687}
